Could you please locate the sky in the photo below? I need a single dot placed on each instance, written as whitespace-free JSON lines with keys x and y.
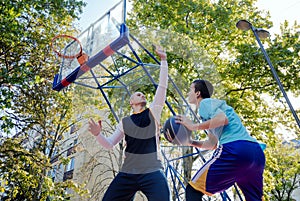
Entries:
{"x":94,"y":10}
{"x":280,"y":10}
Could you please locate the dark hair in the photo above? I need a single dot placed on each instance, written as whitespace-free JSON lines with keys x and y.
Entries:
{"x":205,"y":87}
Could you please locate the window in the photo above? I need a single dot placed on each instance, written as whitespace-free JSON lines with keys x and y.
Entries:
{"x":73,"y":129}
{"x":70,"y":165}
{"x":55,"y":152}
{"x":61,"y":167}
{"x":53,"y":172}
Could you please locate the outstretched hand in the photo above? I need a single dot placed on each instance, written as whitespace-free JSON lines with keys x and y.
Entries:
{"x":95,"y":128}
{"x":160,"y":52}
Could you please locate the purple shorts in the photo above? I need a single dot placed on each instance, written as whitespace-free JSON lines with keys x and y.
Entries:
{"x":241,"y":162}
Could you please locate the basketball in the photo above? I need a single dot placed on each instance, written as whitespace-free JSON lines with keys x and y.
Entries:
{"x":176,"y":133}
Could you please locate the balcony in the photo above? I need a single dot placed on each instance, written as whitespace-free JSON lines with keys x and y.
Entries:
{"x":68,"y":175}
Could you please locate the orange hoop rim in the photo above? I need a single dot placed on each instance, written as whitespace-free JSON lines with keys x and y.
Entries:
{"x":66,"y":56}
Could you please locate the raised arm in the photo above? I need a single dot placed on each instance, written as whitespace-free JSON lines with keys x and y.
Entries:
{"x":161,"y":91}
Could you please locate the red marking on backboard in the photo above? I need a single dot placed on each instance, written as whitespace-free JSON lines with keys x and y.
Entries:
{"x":85,"y":68}
{"x":108,"y":51}
{"x":65,"y":83}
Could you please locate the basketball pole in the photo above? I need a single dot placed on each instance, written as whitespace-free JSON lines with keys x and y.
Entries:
{"x":124,"y":11}
{"x":245,"y":25}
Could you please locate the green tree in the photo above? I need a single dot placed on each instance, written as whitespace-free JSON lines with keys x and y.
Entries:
{"x":26,"y":31}
{"x":243,"y":72}
{"x":286,"y":172}
{"x":33,"y":116}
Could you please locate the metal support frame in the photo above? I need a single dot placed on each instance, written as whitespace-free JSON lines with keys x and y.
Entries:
{"x":122,"y":41}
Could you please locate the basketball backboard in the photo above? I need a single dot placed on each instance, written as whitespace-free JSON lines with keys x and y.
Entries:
{"x":99,"y":40}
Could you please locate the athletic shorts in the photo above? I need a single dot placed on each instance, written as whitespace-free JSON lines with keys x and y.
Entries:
{"x":154,"y":186}
{"x":241,"y":162}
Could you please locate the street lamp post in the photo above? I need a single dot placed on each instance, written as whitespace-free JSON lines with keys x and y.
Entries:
{"x":261,"y":33}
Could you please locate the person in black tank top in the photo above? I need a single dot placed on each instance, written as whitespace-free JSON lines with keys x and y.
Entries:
{"x":142,"y":169}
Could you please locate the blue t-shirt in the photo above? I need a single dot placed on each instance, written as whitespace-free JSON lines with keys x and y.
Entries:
{"x":233,"y":131}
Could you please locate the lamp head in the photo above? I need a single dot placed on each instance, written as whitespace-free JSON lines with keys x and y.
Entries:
{"x":243,"y":25}
{"x":262,"y":34}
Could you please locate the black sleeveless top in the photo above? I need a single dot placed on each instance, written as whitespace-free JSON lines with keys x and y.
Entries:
{"x":142,"y":152}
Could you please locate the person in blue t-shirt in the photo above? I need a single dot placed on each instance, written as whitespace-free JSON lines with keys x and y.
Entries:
{"x":238,"y":157}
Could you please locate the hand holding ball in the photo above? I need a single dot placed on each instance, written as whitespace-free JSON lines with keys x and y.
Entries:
{"x":176,"y":133}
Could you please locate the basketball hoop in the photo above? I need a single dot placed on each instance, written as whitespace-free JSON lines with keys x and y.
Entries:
{"x":75,"y":53}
